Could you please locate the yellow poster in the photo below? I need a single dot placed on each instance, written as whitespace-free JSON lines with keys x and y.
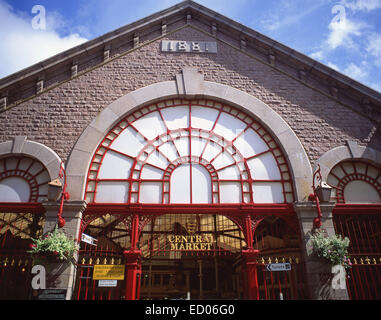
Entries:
{"x":108,"y":272}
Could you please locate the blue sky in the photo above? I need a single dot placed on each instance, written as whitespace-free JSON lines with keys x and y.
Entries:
{"x":343,"y":34}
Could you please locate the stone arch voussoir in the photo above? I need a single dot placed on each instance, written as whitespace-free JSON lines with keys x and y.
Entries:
{"x":190,"y":84}
{"x":21,"y":146}
{"x":350,"y":151}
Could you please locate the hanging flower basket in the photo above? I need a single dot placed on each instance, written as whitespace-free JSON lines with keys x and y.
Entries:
{"x":55,"y":247}
{"x":333,"y":248}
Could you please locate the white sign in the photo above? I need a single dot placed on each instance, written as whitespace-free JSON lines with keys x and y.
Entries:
{"x":88,"y":239}
{"x":189,"y":46}
{"x":278,"y":267}
{"x":338,"y":281}
{"x":107,"y":283}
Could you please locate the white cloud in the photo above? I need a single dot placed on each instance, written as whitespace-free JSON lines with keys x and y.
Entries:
{"x":288,"y":13}
{"x":318,"y":55}
{"x":333,"y":66}
{"x":342,"y":32}
{"x":362,"y":5}
{"x":356,"y":72}
{"x":374,"y":47}
{"x":23,"y":46}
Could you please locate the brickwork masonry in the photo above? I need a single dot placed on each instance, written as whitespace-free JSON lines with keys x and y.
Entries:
{"x":58,"y":116}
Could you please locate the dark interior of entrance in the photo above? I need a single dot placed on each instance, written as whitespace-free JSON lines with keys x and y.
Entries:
{"x":191,"y":256}
{"x":194,"y":277}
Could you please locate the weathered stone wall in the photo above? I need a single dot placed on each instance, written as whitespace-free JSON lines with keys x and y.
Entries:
{"x":58,"y":116}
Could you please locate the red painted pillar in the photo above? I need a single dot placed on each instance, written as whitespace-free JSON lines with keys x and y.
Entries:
{"x":133,"y":265}
{"x":250,"y":267}
{"x":133,"y":274}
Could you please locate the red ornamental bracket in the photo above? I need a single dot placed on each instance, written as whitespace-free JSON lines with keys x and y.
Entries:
{"x":314,"y":197}
{"x":64,"y":196}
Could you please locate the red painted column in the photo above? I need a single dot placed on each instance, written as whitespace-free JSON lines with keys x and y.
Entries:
{"x":133,"y":265}
{"x":133,"y":274}
{"x":250,"y":266}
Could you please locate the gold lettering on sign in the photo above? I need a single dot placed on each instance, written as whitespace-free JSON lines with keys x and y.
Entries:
{"x":191,"y":243}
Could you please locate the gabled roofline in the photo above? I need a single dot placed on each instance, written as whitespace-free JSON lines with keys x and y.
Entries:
{"x":88,"y":45}
{"x":307,"y":63}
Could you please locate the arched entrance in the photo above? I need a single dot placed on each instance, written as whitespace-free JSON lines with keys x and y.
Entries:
{"x":179,"y":164}
{"x":278,"y":241}
{"x":23,"y":186}
{"x":203,"y":254}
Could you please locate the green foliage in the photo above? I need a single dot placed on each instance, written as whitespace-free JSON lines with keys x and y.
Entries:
{"x":333,"y":248}
{"x":55,"y":245}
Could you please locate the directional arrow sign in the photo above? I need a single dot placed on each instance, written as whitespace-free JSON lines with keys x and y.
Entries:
{"x":278,"y":267}
{"x":90,"y":240}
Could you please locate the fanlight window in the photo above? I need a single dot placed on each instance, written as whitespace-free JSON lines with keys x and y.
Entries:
{"x":23,"y":179}
{"x":355,"y":182}
{"x":181,"y":151}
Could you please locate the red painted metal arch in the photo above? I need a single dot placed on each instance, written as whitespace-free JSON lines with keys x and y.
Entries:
{"x":128,"y":121}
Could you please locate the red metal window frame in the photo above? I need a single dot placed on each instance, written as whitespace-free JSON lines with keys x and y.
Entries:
{"x":34,"y":186}
{"x":189,"y":132}
{"x":349,"y":177}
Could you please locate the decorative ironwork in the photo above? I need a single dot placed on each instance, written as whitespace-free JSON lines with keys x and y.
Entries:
{"x":64,"y":196}
{"x":364,"y":232}
{"x":314,"y":197}
{"x":29,"y":170}
{"x":157,"y":155}
{"x":345,"y":172}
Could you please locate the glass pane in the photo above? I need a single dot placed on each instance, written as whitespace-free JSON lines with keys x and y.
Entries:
{"x":169,"y":150}
{"x":157,"y":159}
{"x":211,"y":151}
{"x":112,"y":192}
{"x":201,"y":185}
{"x":222,"y":160}
{"x":115,"y":166}
{"x":14,"y":189}
{"x":268,"y":192}
{"x":150,"y":126}
{"x":203,"y":118}
{"x":230,"y":192}
{"x":198,"y":145}
{"x":182,"y":146}
{"x":150,"y":192}
{"x":149,"y":172}
{"x":129,"y":142}
{"x":360,"y":192}
{"x":264,"y":167}
{"x":250,"y":143}
{"x":176,"y":117}
{"x":230,"y":173}
{"x":228,"y":126}
{"x":180,"y":184}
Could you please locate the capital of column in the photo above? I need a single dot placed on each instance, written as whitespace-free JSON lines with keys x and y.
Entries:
{"x":307,"y":212}
{"x":72,"y":209}
{"x":309,"y":209}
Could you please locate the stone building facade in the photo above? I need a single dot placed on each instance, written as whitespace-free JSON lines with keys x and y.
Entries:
{"x":67,"y":113}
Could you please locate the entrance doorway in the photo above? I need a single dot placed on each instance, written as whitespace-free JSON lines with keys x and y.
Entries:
{"x":191,"y":255}
{"x":200,"y":256}
{"x":196,"y":278}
